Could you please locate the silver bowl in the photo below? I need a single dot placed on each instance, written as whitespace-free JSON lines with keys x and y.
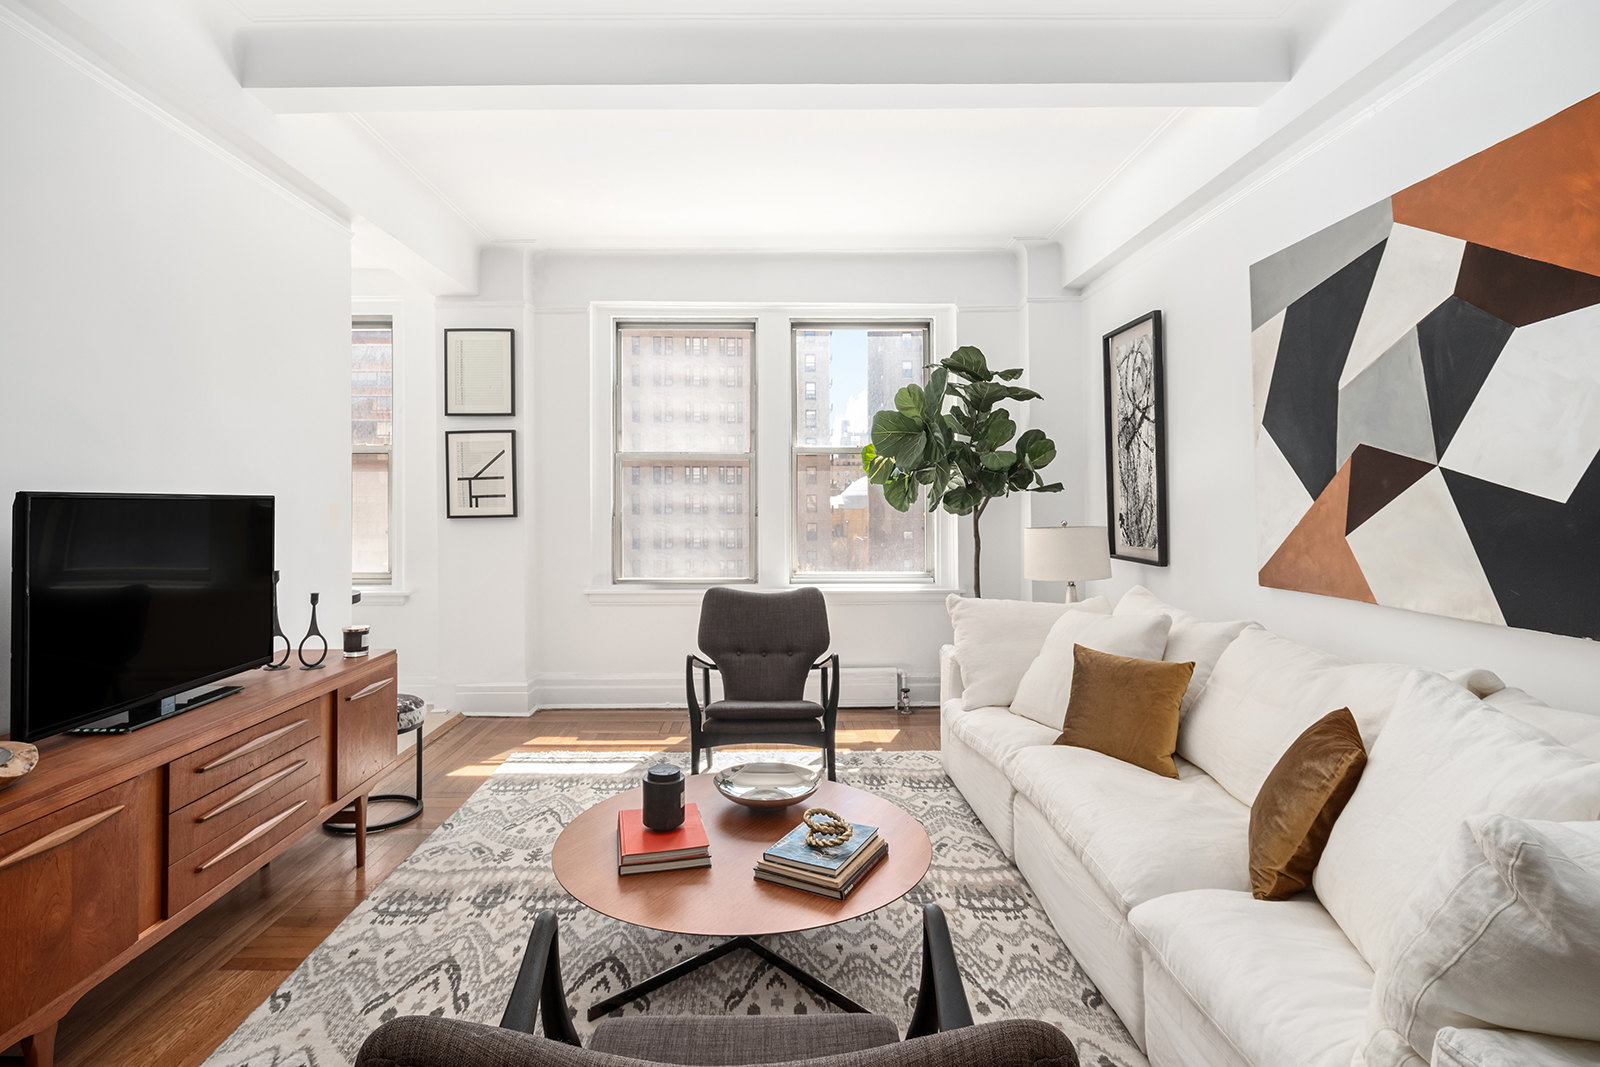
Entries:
{"x":767,"y":785}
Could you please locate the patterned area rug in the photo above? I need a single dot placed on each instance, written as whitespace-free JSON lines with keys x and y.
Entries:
{"x":444,"y":933}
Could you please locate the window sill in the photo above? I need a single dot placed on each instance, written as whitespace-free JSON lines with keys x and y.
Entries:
{"x":618,"y":596}
{"x":381,"y":596}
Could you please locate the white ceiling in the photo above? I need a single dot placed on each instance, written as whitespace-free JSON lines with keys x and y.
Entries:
{"x":445,"y":125}
{"x":834,"y":178}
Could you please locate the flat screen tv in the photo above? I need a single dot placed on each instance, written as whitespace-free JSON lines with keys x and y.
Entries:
{"x":121,"y":602}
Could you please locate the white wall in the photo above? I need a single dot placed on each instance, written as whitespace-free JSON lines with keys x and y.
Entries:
{"x":524,"y":614}
{"x":170,"y":321}
{"x":1197,"y":275}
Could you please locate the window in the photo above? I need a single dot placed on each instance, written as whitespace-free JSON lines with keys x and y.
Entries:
{"x":685,"y":451}
{"x":857,"y":370}
{"x":371,"y":449}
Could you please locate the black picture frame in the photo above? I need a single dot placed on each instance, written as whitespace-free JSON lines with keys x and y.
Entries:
{"x":1130,"y":524}
{"x":453,"y":500}
{"x":450,"y":382}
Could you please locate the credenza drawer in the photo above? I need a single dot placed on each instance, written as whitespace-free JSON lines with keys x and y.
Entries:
{"x":241,"y":800}
{"x":364,"y":728}
{"x":211,"y":863}
{"x":199,"y":773}
{"x":69,"y":898}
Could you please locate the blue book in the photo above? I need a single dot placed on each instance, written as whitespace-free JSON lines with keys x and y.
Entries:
{"x":793,"y":851}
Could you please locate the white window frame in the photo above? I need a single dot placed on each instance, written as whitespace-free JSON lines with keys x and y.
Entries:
{"x":774,"y":529}
{"x":377,"y":585}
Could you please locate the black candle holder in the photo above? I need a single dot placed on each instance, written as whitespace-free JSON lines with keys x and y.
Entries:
{"x":305,"y":664}
{"x":277,"y":632}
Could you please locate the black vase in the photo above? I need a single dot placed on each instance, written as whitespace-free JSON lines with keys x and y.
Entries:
{"x":663,"y":798}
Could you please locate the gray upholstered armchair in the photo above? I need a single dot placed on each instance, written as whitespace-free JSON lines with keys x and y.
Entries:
{"x":941,"y":1033}
{"x":764,"y":645}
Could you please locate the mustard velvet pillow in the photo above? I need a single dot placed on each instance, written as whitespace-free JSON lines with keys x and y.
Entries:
{"x":1126,"y":708}
{"x":1298,"y":803}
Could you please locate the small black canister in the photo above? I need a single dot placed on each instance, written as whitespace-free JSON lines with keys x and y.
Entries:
{"x":663,"y":797}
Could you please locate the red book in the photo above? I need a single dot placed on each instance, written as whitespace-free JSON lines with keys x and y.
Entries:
{"x":639,"y":845}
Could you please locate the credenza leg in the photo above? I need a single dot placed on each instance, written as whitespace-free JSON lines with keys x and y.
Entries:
{"x":361,"y":830}
{"x":39,"y":1050}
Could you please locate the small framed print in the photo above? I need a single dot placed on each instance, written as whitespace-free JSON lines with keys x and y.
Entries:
{"x":480,"y":474}
{"x":1136,"y":442}
{"x":479,"y":372}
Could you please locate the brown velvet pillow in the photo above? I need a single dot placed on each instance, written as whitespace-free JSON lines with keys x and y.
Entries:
{"x":1126,"y":708}
{"x":1294,"y":812}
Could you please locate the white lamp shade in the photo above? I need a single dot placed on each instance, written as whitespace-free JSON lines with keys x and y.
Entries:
{"x":1065,"y":554}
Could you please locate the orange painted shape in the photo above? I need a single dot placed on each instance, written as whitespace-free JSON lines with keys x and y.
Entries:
{"x":1315,"y":558}
{"x":1536,"y":194}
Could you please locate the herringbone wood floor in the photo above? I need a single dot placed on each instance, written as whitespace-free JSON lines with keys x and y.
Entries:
{"x":172,"y":1006}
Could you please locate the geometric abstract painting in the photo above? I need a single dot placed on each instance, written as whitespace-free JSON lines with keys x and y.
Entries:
{"x":1427,"y":392}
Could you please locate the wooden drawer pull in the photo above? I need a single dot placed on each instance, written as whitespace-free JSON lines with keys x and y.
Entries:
{"x":250,"y":746}
{"x":249,"y":837}
{"x":60,"y":837}
{"x":369,"y":690}
{"x":265,"y":783}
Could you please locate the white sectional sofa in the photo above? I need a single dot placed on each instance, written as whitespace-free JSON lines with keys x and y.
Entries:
{"x":1147,"y":878}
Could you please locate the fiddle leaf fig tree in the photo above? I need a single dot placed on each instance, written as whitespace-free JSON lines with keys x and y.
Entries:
{"x":965,"y":455}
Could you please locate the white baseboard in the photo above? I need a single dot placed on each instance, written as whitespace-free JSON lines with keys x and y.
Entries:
{"x":425,"y":686}
{"x":494,"y":699}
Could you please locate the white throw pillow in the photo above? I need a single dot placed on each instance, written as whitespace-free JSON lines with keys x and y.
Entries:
{"x":996,"y":640}
{"x":1444,"y":755}
{"x":1264,"y":693}
{"x":1577,"y":729}
{"x":1044,"y":690}
{"x":1191,"y":640}
{"x":1504,"y":932}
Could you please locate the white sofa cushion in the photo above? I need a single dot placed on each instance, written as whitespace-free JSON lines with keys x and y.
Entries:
{"x":1276,"y":978}
{"x":1575,"y":729}
{"x":1444,"y":755}
{"x":1043,"y":693}
{"x":1140,"y":834}
{"x":997,"y":640}
{"x":1499,"y":1048}
{"x":1504,"y":932}
{"x":995,"y":733}
{"x":1266,"y":691}
{"x":1191,"y":640}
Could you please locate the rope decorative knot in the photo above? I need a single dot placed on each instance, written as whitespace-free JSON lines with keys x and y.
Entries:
{"x":828,"y":831}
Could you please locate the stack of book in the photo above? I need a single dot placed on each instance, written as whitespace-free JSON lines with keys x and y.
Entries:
{"x":640,"y":850}
{"x":829,"y":872}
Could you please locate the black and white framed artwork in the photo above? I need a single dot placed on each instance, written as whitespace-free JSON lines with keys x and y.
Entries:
{"x":1136,"y":444}
{"x":480,"y":474}
{"x":480,"y":376}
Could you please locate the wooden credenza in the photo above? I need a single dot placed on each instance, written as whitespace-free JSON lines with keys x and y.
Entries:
{"x":115,"y":841}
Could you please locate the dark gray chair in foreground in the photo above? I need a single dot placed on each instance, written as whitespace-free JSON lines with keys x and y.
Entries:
{"x":764,"y":645}
{"x":941,"y":1033}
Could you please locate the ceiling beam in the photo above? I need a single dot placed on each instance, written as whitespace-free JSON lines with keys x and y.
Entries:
{"x":763,"y":63}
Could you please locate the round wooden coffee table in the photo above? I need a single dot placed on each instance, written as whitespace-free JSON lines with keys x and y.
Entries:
{"x":725,"y":899}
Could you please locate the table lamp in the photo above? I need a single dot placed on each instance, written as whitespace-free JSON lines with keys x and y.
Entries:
{"x":1070,"y":554}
